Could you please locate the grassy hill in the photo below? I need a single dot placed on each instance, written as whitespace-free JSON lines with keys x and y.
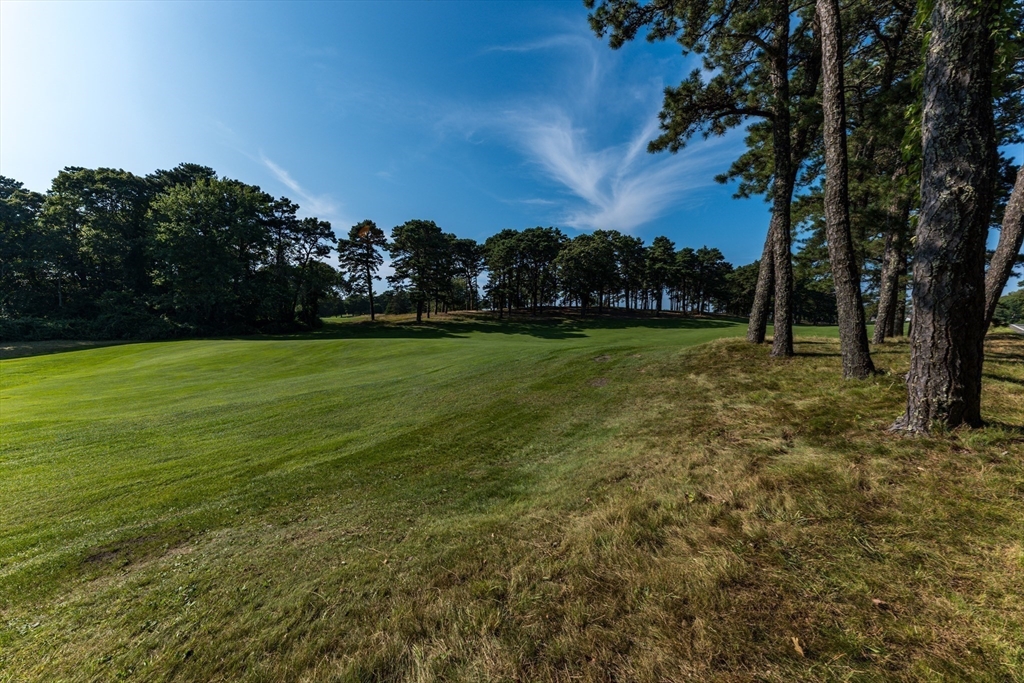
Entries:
{"x":475,"y":500}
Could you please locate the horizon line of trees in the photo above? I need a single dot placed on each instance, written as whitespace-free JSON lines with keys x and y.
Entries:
{"x":107,"y":253}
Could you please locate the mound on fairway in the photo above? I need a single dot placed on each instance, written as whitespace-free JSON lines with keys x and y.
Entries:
{"x":474,"y":500}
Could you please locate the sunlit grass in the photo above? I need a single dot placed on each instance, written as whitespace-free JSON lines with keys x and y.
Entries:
{"x":469,"y":500}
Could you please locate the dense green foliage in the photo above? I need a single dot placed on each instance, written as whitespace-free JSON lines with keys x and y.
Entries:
{"x":109,"y":254}
{"x":1011,"y":308}
{"x":106,"y":254}
{"x":605,"y":269}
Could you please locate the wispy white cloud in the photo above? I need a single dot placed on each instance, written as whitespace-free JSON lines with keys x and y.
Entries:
{"x":617,"y":186}
{"x":534,"y":201}
{"x":546,"y":43}
{"x":322,"y":206}
{"x":590,"y":138}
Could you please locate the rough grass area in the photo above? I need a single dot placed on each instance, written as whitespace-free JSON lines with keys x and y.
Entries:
{"x":468,"y":500}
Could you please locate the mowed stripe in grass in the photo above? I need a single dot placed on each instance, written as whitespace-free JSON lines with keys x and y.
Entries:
{"x":158,"y":441}
{"x":473,"y":500}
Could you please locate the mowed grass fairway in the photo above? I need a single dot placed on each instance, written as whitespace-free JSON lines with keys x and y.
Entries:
{"x":474,"y":500}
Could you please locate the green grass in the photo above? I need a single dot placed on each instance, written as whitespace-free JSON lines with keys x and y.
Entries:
{"x":474,"y":500}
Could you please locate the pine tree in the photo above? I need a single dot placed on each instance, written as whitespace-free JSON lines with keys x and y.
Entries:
{"x":359,"y":257}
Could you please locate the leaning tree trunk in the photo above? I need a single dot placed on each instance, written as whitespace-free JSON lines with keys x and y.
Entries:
{"x":782,"y":185}
{"x":957,"y":179}
{"x":1010,"y":238}
{"x":887,"y":288}
{"x":853,"y":332}
{"x":758,"y":324}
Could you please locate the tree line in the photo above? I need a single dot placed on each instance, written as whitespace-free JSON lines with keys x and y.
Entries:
{"x":107,"y":253}
{"x":528,"y":270}
{"x":874,"y":131}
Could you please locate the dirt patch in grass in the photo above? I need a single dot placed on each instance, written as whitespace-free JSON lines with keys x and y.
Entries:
{"x":136,"y":549}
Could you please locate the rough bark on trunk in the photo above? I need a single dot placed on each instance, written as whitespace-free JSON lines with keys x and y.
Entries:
{"x":957,"y":179}
{"x":758,"y":324}
{"x":1010,"y":238}
{"x":782,"y":185}
{"x":853,"y":334}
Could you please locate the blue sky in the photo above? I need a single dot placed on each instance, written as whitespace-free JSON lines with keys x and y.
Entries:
{"x":477,"y":115}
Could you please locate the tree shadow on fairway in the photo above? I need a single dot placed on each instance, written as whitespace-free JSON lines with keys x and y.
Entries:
{"x":1003,"y":378}
{"x":1008,"y":347}
{"x":461,"y":327}
{"x":25,"y":349}
{"x":555,"y":326}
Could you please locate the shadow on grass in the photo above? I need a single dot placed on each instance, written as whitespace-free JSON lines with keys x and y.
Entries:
{"x":555,"y":327}
{"x":25,"y":349}
{"x":1003,"y":378}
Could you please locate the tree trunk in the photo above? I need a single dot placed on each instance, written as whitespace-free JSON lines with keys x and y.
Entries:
{"x":887,"y":286}
{"x":901,"y":297}
{"x":758,"y":324}
{"x":782,"y":185}
{"x":369,"y":289}
{"x":957,"y":179}
{"x":1010,"y":238}
{"x":893,"y":267}
{"x":419,"y":310}
{"x":853,"y":334}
